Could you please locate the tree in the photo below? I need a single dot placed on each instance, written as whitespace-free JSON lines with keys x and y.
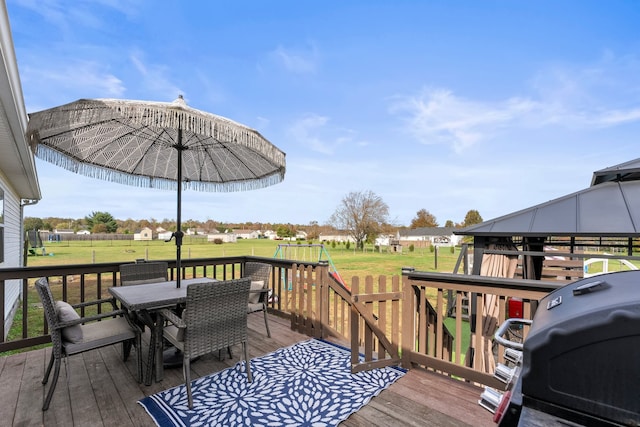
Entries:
{"x":286,"y":231}
{"x":449,"y":224}
{"x":313,"y":232}
{"x":99,"y":228}
{"x":424,"y":219}
{"x":32,"y":223}
{"x":472,"y":217}
{"x":96,"y":219}
{"x":361,"y":214}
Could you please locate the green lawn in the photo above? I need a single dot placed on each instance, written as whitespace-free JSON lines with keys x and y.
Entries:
{"x":348,"y":262}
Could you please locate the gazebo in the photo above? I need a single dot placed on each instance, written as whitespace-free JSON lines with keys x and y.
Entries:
{"x":528,"y":243}
{"x":604,"y":215}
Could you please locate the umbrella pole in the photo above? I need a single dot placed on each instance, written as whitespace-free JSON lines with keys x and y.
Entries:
{"x":179,"y":232}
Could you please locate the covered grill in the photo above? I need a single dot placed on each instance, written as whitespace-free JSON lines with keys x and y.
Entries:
{"x":581,"y":359}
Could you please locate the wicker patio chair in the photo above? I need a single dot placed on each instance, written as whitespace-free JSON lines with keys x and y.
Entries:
{"x":139,"y":273}
{"x":215,"y":317}
{"x":259,"y":273}
{"x":71,"y":334}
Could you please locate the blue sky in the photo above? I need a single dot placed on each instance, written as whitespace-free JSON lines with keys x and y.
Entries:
{"x":439,"y":105}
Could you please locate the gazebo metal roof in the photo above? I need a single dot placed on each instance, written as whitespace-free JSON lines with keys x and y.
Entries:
{"x":628,"y":171}
{"x":610,"y":207}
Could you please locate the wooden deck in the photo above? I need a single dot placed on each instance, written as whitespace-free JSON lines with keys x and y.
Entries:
{"x":102,"y":390}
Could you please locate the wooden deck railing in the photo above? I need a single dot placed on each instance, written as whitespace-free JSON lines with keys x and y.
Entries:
{"x":479,"y":290}
{"x":389,"y":320}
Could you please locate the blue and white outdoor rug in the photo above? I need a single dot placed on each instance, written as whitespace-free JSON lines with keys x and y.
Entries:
{"x":307,"y":384}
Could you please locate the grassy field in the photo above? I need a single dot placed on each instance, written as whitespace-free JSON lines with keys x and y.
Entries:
{"x":348,"y":262}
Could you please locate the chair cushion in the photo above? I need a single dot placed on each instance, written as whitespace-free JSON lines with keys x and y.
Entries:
{"x":256,"y":285}
{"x":174,"y":335}
{"x":66,"y":313}
{"x":100,"y":334}
{"x":252,"y":308}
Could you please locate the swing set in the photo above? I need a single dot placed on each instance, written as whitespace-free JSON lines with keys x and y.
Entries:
{"x":311,"y":252}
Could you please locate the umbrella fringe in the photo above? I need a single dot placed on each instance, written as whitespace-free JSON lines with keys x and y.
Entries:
{"x":94,"y":171}
{"x":156,"y":115}
{"x":196,"y":121}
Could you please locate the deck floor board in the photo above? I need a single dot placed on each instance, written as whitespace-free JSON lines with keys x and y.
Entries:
{"x":102,"y":390}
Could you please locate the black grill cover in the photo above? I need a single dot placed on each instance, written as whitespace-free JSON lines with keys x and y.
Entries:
{"x":583,"y":349}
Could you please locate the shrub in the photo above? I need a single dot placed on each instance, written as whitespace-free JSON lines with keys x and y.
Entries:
{"x":452,"y":249}
{"x":432,"y":248}
{"x":411,"y":248}
{"x":217,"y":241}
{"x":347,"y":245}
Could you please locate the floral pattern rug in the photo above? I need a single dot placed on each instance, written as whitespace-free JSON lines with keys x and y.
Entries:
{"x":307,"y":384}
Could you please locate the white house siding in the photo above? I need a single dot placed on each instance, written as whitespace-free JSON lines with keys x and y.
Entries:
{"x":336,"y":237}
{"x":18,"y":177}
{"x":144,"y":234}
{"x":425,"y":236}
{"x":165,"y":235}
{"x":12,"y":228}
{"x":224,"y":237}
{"x":246,"y":234}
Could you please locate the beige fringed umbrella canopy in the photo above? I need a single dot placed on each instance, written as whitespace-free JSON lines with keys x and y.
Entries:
{"x":155,"y":145}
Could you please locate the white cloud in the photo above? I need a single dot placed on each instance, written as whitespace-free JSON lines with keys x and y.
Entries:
{"x":297,"y":61}
{"x":613,"y":118}
{"x":305,"y":132}
{"x":68,"y":15}
{"x":314,"y":132}
{"x":438,"y":116}
{"x":595,"y":96}
{"x":154,"y":78}
{"x":77,"y":77}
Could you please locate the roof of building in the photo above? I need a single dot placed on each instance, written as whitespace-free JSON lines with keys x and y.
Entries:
{"x":427,"y":231}
{"x":16,"y":158}
{"x":610,"y":207}
{"x":628,"y":171}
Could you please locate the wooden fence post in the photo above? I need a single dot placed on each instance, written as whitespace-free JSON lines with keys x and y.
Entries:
{"x":408,"y":322}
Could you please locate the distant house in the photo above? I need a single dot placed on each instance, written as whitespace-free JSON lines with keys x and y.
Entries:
{"x":384,"y":240}
{"x":270,"y":234}
{"x":389,"y":242}
{"x":164,"y":235}
{"x":195,"y":232}
{"x":224,"y":237}
{"x":338,"y":237}
{"x":63,"y":231}
{"x":427,"y":236}
{"x":144,"y":234}
{"x":18,"y":179}
{"x":247,"y":234}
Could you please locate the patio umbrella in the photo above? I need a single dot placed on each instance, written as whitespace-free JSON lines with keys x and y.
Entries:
{"x":156,"y":145}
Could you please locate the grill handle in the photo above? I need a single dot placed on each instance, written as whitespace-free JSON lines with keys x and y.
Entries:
{"x":499,"y":336}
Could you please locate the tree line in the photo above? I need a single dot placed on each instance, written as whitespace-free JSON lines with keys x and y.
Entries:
{"x":363,"y":215}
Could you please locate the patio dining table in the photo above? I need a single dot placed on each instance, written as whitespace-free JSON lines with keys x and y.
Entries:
{"x":146,"y":300}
